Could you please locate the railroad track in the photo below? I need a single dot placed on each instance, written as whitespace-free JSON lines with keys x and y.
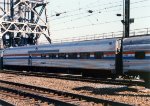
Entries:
{"x":4,"y":103}
{"x":17,"y":98}
{"x":128,"y":82}
{"x":50,"y":96}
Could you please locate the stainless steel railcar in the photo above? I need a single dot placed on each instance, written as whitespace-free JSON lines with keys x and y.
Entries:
{"x":105,"y":57}
{"x":97,"y":57}
{"x":136,"y":56}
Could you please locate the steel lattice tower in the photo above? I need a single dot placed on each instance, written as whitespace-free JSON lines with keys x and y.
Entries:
{"x":22,"y":22}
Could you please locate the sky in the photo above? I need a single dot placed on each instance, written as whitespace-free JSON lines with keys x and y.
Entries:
{"x":75,"y":19}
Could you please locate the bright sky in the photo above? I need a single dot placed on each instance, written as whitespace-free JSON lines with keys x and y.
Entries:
{"x":75,"y":20}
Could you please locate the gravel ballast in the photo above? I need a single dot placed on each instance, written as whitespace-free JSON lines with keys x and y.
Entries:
{"x":119,"y":93}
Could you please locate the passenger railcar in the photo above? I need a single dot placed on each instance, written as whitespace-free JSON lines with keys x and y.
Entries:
{"x":96,"y":58}
{"x":136,"y":56}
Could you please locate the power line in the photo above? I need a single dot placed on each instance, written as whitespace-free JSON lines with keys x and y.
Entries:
{"x":142,"y":17}
{"x":144,"y":6}
{"x":86,"y":16}
{"x":83,"y":17}
{"x":85,"y":9}
{"x":107,"y":22}
{"x":98,"y":11}
{"x":72,"y":11}
{"x":69,"y":28}
{"x":139,"y":1}
{"x":78,"y":18}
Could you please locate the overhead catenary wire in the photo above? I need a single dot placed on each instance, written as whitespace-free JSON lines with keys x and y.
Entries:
{"x":85,"y":11}
{"x":86,"y":16}
{"x":139,"y":1}
{"x":107,"y":22}
{"x":83,"y":17}
{"x":78,"y":18}
{"x":87,"y":25}
{"x":144,"y":6}
{"x":66,"y":12}
{"x":86,"y":8}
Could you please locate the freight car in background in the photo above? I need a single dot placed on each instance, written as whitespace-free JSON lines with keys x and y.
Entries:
{"x":95,"y":58}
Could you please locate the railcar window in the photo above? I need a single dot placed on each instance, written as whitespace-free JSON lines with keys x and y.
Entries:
{"x":43,"y":56}
{"x":62,"y":56}
{"x":72,"y":56}
{"x":50,"y":56}
{"x":98,"y":55}
{"x":140,"y":55}
{"x":84,"y":55}
{"x":53,"y":56}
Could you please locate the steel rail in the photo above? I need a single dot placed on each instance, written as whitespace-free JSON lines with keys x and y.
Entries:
{"x":79,"y":78}
{"x":4,"y":103}
{"x":62,"y":93}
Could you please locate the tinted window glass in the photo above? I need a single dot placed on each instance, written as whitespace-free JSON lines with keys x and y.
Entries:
{"x":98,"y":55}
{"x":43,"y":56}
{"x":52,"y":56}
{"x":62,"y":56}
{"x":84,"y":55}
{"x":140,"y":55}
{"x":72,"y":56}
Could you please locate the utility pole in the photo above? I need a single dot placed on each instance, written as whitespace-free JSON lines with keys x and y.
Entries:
{"x":127,"y":18}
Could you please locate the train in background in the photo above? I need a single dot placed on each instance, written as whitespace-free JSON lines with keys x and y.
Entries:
{"x":109,"y":57}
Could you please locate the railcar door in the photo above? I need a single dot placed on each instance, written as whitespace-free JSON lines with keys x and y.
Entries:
{"x":1,"y":59}
{"x":30,"y":60}
{"x":119,"y":60}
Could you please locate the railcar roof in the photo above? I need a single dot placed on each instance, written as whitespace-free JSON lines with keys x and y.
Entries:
{"x":137,"y":40}
{"x":89,"y":42}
